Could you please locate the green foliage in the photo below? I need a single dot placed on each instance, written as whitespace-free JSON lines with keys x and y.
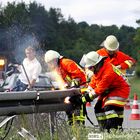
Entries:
{"x":135,"y":86}
{"x":137,"y":45}
{"x":126,"y":36}
{"x":66,"y":132}
{"x":138,"y":71}
{"x":126,"y":135}
{"x":22,"y":24}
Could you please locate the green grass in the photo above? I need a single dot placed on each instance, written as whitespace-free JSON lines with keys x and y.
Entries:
{"x":40,"y":126}
{"x":62,"y":130}
{"x":135,"y":86}
{"x":65,"y":132}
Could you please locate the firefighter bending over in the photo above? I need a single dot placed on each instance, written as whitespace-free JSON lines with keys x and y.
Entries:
{"x":114,"y":56}
{"x":72,"y":75}
{"x":110,"y":86}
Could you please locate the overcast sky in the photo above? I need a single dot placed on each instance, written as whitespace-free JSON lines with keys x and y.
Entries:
{"x":101,"y":12}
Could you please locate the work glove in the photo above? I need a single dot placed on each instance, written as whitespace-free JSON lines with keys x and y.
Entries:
{"x":88,"y":95}
{"x":74,"y":83}
{"x":76,"y":100}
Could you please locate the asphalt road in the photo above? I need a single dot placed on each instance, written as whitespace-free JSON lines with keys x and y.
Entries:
{"x":126,"y":124}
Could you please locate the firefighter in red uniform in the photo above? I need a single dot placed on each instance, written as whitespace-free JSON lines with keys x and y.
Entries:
{"x":72,"y":75}
{"x":110,"y":85}
{"x":114,"y":56}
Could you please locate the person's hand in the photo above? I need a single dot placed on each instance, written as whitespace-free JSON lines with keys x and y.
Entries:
{"x":118,"y":66}
{"x":16,"y":65}
{"x":75,"y":100}
{"x":78,"y":100}
{"x":28,"y":89}
{"x":88,"y":95}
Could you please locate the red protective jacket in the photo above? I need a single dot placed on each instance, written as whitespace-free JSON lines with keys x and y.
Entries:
{"x":108,"y":80}
{"x":119,"y":59}
{"x":69,"y":69}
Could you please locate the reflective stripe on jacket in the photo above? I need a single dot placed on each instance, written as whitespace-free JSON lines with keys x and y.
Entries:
{"x":117,"y":101}
{"x":109,"y":114}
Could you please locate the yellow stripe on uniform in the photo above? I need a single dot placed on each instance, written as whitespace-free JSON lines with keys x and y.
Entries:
{"x":120,"y":73}
{"x":83,"y":99}
{"x":111,"y":116}
{"x":117,"y":71}
{"x":79,"y":118}
{"x":84,"y":89}
{"x":120,"y":116}
{"x":120,"y":103}
{"x":101,"y":118}
{"x":68,"y":78}
{"x":129,"y":63}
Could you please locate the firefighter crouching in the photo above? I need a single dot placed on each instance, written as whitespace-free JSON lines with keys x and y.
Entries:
{"x":118,"y":58}
{"x":72,"y":75}
{"x":110,"y":86}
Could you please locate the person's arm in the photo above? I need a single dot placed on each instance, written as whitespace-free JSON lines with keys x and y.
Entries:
{"x":32,"y":82}
{"x":75,"y":72}
{"x":127,"y":63}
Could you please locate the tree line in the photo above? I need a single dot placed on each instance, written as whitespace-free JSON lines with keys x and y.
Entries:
{"x":22,"y":24}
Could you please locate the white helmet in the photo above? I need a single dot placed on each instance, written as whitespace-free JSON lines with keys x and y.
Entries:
{"x":92,"y":58}
{"x":82,"y":61}
{"x":111,"y":43}
{"x":51,"y":55}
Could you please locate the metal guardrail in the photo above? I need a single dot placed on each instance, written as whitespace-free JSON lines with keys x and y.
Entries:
{"x":26,"y":102}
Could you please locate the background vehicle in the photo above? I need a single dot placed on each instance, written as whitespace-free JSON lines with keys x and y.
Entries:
{"x":9,"y":76}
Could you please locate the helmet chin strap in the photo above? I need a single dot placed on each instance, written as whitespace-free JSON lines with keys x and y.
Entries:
{"x":98,"y":66}
{"x":96,"y":69}
{"x":56,"y":62}
{"x":111,"y":55}
{"x":53,"y":64}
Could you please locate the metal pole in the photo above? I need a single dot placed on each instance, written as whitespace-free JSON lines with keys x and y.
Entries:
{"x":51,"y":127}
{"x":6,"y":120}
{"x":26,"y":134}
